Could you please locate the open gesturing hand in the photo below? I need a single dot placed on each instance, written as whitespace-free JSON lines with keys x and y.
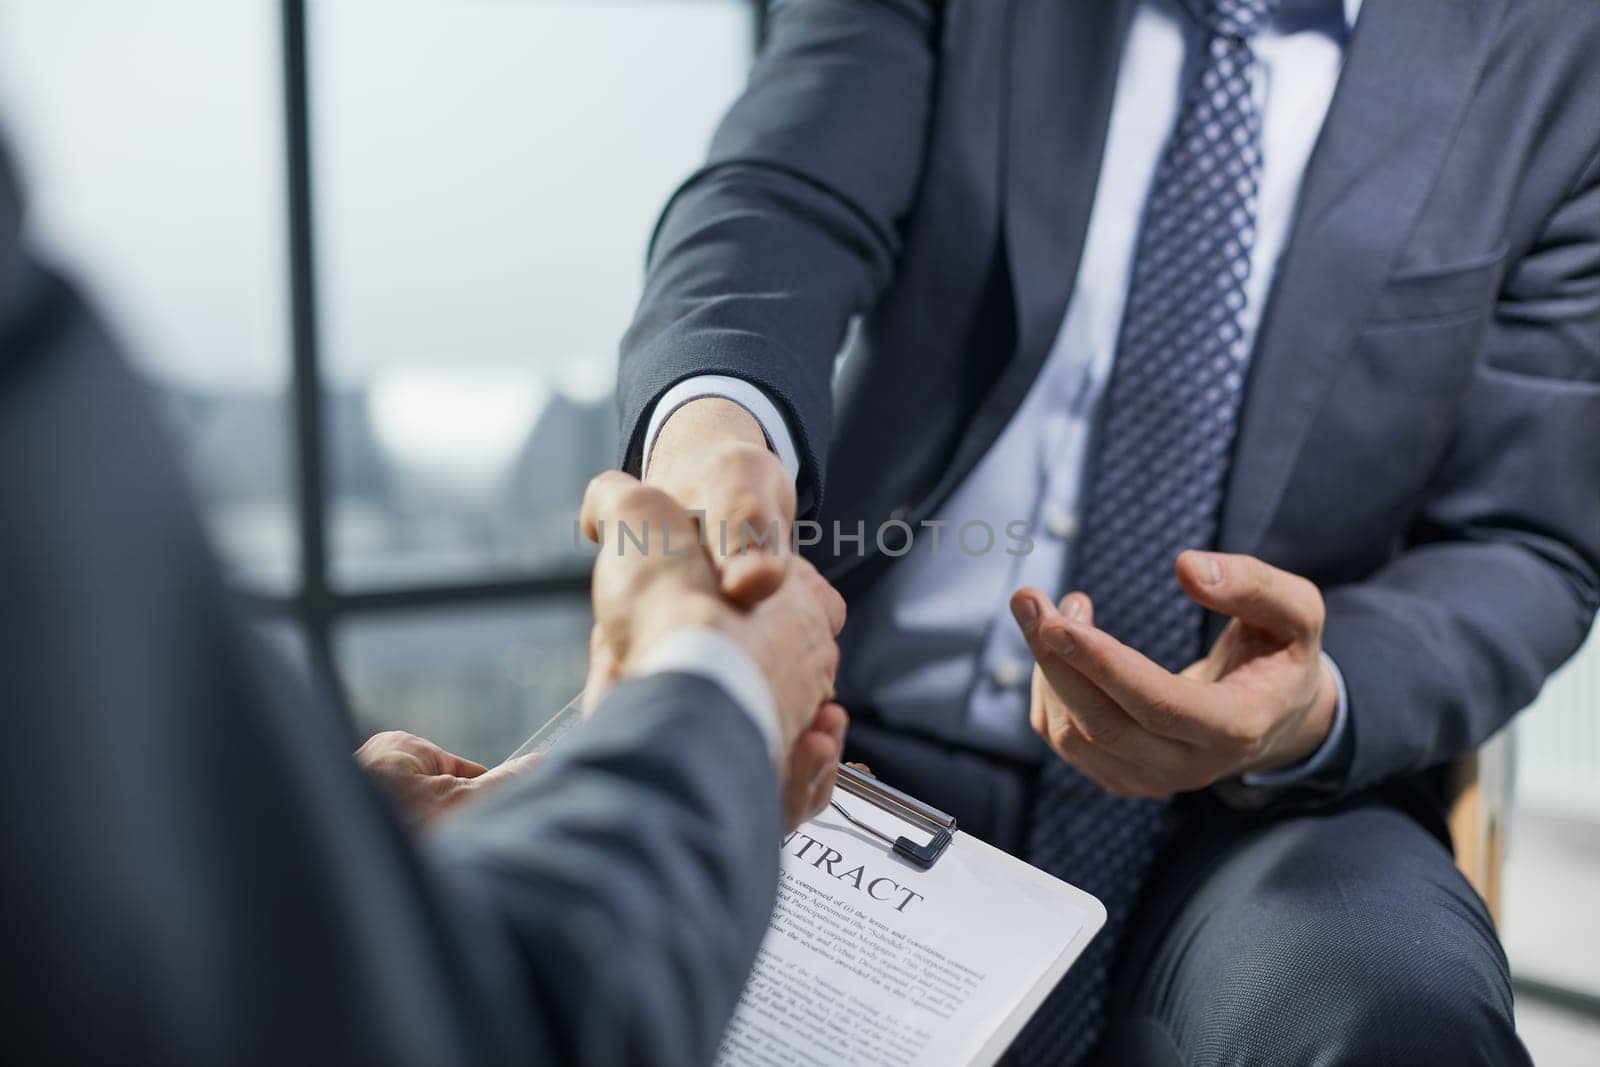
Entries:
{"x":1261,"y":699}
{"x":423,"y":779}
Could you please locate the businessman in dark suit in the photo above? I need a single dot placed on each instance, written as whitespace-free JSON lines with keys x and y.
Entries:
{"x":194,"y":870}
{"x":1246,"y":356}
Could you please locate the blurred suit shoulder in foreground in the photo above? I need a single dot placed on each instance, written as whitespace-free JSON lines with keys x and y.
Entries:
{"x":196,"y":872}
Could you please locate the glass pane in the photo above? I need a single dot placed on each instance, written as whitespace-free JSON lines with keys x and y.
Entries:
{"x":487,"y":176}
{"x":1552,"y":870}
{"x":477,"y":681}
{"x":149,"y":138}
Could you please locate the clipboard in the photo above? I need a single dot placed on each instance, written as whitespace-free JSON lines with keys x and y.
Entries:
{"x":555,"y":728}
{"x":990,"y":913}
{"x":875,"y":957}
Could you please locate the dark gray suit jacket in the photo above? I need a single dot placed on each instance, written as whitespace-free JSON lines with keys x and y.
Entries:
{"x":1421,"y":435}
{"x":192,"y":869}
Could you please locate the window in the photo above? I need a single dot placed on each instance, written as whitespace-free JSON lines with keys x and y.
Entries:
{"x":1550,"y":924}
{"x":477,"y":680}
{"x":160,"y":181}
{"x":391,"y":384}
{"x":486,"y":177}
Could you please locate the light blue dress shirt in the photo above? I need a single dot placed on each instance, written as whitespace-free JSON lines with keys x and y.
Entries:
{"x":934,"y":647}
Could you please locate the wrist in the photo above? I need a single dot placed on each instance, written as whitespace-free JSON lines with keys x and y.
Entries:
{"x":1311,"y":728}
{"x":691,"y":431}
{"x":1325,"y":708}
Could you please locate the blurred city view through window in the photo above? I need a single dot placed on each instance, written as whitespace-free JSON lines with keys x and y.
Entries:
{"x":485,"y":176}
{"x":488,"y":174}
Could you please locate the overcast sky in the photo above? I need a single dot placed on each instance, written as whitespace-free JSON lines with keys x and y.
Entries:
{"x":488,"y":171}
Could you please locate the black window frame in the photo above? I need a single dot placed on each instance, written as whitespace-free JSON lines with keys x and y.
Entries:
{"x":315,"y":602}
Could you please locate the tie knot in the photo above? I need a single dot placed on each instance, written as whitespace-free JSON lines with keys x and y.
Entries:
{"x":1242,"y":19}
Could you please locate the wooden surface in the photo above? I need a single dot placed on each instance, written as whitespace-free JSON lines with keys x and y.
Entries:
{"x":1477,"y":825}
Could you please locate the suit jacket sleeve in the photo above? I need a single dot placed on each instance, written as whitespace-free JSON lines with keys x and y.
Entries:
{"x":196,"y":872}
{"x":791,"y":227}
{"x":1501,"y":578}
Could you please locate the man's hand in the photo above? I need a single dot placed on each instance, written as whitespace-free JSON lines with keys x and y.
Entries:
{"x":711,"y":457}
{"x":813,"y":765}
{"x":423,"y":779}
{"x":653,"y":577}
{"x":1260,"y":700}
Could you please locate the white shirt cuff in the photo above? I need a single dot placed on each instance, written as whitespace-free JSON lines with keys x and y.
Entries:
{"x":718,"y":658}
{"x":1320,"y":760}
{"x":741,"y":392}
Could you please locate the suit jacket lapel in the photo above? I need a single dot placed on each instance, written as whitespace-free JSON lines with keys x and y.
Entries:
{"x":1408,"y":75}
{"x":1064,"y":71}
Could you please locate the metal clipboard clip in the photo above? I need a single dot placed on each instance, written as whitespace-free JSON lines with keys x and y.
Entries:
{"x":907,"y":808}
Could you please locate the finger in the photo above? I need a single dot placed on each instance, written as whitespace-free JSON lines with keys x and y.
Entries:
{"x":1091,"y":724}
{"x":752,"y":517}
{"x":1096,"y":714}
{"x":822,"y":785}
{"x":750,"y":579}
{"x":1037,"y":716}
{"x":1078,"y":606}
{"x":1166,"y":704}
{"x":1030,"y":608}
{"x":833,"y":605}
{"x":755,"y":506}
{"x":1114,"y":773}
{"x":812,"y":768}
{"x":459,"y":766}
{"x":429,"y":758}
{"x":1243,"y":587}
{"x":507,"y":771}
{"x":640,"y":519}
{"x":602,"y":500}
{"x":832,"y":720}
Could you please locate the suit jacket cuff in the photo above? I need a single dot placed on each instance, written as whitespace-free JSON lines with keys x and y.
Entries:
{"x":718,"y":658}
{"x":741,"y":392}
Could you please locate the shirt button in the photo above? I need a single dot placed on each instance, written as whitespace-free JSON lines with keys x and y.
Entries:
{"x":1061,"y":524}
{"x":1010,"y":673}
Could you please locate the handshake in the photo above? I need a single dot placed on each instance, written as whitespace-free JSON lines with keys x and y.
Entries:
{"x":654,"y":577}
{"x":656,"y":572}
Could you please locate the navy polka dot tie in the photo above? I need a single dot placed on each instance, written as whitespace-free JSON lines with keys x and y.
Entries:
{"x":1157,"y":481}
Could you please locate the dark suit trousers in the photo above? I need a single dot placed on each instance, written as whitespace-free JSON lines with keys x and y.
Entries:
{"x":1343,"y":935}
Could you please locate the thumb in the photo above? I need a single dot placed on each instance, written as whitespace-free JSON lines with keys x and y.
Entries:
{"x":750,"y":515}
{"x":751,"y":577}
{"x":1258,"y":594}
{"x":460,"y":766}
{"x":752,"y":543}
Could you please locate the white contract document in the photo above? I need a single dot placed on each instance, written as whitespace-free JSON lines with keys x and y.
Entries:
{"x":872,"y":960}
